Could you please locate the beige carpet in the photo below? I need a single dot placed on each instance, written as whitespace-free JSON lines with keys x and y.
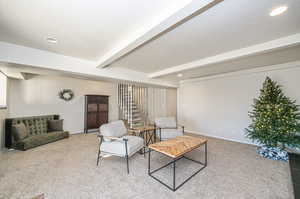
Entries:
{"x":67,"y":170}
{"x":41,"y":196}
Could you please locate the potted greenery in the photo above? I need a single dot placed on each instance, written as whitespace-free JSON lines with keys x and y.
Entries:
{"x":275,"y":122}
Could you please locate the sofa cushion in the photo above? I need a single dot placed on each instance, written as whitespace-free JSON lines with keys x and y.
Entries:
{"x":55,"y":125}
{"x":166,"y":122}
{"x":113,"y":129}
{"x":117,"y":147}
{"x":41,"y":139}
{"x":19,"y":131}
{"x":169,"y":133}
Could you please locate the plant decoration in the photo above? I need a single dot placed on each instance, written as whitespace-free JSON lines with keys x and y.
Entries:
{"x":66,"y":94}
{"x":275,"y":122}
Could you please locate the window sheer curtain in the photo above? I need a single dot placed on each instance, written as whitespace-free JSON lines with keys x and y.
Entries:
{"x":157,"y":99}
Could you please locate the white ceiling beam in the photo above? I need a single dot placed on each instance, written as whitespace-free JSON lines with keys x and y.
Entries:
{"x":269,"y":46}
{"x":150,"y":31}
{"x":9,"y":72}
{"x":14,"y":75}
{"x":21,"y":55}
{"x":276,"y":67}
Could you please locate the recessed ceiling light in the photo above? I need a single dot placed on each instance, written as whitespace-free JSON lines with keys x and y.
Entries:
{"x":278,"y":10}
{"x":51,"y":39}
{"x":179,"y":75}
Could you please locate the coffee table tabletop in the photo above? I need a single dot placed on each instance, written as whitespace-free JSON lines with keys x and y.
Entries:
{"x":178,"y":146}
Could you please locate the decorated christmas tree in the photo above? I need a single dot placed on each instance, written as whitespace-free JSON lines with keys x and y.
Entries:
{"x":275,"y":118}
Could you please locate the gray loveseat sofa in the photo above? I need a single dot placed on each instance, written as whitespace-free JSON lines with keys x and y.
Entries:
{"x":38,"y":133}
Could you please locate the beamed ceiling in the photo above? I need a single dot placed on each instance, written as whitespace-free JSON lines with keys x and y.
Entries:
{"x":148,"y":41}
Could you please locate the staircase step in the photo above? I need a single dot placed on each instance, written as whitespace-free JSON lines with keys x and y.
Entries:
{"x":136,"y":119}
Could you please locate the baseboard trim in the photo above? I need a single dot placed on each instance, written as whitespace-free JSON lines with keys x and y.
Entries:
{"x":220,"y":137}
{"x":75,"y":132}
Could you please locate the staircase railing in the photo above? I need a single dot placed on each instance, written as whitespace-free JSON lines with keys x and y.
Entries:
{"x":132,"y":101}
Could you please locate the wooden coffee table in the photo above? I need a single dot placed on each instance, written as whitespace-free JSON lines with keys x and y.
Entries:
{"x":176,"y":148}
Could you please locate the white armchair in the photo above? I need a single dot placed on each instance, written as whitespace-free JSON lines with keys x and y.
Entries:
{"x":168,"y":128}
{"x":113,"y":140}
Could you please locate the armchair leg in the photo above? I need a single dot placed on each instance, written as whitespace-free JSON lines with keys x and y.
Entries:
{"x":126,"y":156}
{"x":99,"y":153}
{"x":127,"y":164}
{"x":160,"y":134}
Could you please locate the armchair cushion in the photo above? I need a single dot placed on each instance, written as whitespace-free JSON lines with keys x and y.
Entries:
{"x":117,"y":147}
{"x":166,"y":122}
{"x":169,"y":133}
{"x":113,"y":129}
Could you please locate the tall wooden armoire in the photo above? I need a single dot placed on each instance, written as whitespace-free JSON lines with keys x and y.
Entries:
{"x":96,"y":111}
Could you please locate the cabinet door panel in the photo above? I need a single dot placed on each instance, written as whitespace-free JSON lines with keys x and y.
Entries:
{"x":103,"y":107}
{"x":92,"y":108}
{"x":103,"y":100}
{"x":103,"y":118}
{"x":92,"y":121}
{"x":91,"y":99}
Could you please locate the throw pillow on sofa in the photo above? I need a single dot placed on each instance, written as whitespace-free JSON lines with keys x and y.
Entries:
{"x":19,"y":131}
{"x":55,"y":125}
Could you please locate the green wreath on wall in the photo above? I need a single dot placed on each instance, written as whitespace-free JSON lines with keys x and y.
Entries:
{"x":66,"y":94}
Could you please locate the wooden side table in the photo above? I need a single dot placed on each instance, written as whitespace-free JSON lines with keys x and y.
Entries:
{"x":148,"y":133}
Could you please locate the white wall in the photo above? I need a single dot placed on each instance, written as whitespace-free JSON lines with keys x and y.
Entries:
{"x":3,"y":90}
{"x":171,"y":102}
{"x":218,"y":106}
{"x":39,"y":96}
{"x":3,"y":115}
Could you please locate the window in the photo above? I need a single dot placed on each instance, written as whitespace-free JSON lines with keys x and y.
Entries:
{"x":3,"y":87}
